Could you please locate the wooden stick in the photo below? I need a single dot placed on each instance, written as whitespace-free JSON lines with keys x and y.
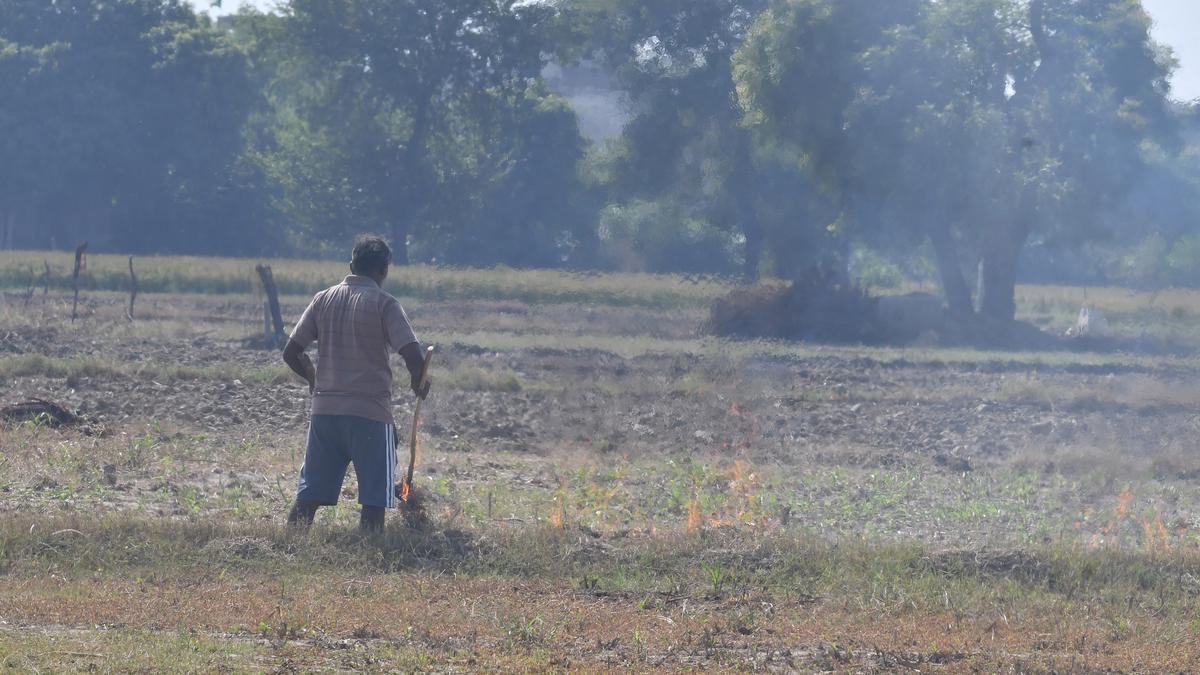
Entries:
{"x":80,"y":264}
{"x":268,"y":282}
{"x":32,"y":287}
{"x":412,"y":441}
{"x":133,"y":289}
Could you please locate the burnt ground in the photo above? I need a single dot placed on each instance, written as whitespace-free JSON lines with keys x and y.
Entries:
{"x":613,"y":441}
{"x":975,"y":444}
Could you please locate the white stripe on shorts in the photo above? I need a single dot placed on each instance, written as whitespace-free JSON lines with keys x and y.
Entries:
{"x":391,"y":466}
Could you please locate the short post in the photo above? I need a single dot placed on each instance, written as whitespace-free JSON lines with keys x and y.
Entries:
{"x":268,"y":281}
{"x":32,"y":286}
{"x":80,"y":265}
{"x":133,"y":289}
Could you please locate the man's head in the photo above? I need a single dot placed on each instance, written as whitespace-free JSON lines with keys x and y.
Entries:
{"x":371,"y":257}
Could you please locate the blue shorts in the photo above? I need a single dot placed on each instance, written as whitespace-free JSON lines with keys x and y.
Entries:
{"x":336,"y":440}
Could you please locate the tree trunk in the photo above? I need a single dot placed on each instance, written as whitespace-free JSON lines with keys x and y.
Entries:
{"x":954,"y":285}
{"x":400,"y":245}
{"x":998,"y":274}
{"x":752,"y":227}
{"x":414,"y":174}
{"x":7,"y":225}
{"x":9,"y":220}
{"x":754,"y":248}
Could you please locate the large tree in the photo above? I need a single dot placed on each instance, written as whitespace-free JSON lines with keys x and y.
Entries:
{"x":410,"y":117}
{"x":684,"y":157}
{"x":975,"y":123}
{"x":122,"y":122}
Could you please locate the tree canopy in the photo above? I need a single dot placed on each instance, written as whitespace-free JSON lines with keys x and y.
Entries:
{"x":759,"y":136}
{"x":976,"y":123}
{"x":122,"y":121}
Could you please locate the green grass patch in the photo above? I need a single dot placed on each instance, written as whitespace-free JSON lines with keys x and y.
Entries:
{"x":37,"y":365}
{"x":725,"y":561}
{"x":473,"y":378}
{"x":183,"y":274}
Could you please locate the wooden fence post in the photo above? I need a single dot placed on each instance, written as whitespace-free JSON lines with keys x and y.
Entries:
{"x":268,"y":282}
{"x":133,"y":289}
{"x":80,"y":265}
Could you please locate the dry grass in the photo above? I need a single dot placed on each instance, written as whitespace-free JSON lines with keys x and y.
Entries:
{"x":835,"y":555}
{"x":1139,"y":393}
{"x":1179,"y":303}
{"x":1132,"y":313}
{"x":536,"y":598}
{"x":26,"y":365}
{"x":181,"y":274}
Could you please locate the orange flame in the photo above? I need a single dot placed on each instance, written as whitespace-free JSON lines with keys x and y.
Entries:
{"x":559,"y":517}
{"x":738,"y":471}
{"x":405,"y":490}
{"x":693,"y":519}
{"x":1124,"y":500}
{"x":1157,"y":539}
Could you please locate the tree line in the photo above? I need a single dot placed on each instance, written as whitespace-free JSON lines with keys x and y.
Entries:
{"x":990,"y":139}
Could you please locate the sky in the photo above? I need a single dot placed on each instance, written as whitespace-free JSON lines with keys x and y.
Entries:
{"x":1176,"y":23}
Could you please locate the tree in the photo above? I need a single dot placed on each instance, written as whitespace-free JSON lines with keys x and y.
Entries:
{"x":122,"y":126}
{"x":974,"y":123}
{"x":409,"y":116}
{"x":24,"y":165}
{"x":535,"y":210}
{"x":685,"y":156}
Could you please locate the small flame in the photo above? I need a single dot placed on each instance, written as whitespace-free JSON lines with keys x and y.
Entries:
{"x":1157,"y":538}
{"x":693,"y":519}
{"x":405,"y":491}
{"x":1124,"y":500}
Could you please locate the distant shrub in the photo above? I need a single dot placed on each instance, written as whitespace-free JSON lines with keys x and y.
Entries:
{"x":818,"y":307}
{"x":1145,"y":265}
{"x":1157,"y":262}
{"x":870,"y":269}
{"x":643,"y":236}
{"x":1183,"y":262}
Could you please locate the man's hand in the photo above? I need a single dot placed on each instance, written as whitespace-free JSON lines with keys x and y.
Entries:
{"x":298,"y":361}
{"x":310,"y":373}
{"x":416,"y":387}
{"x":414,"y":359}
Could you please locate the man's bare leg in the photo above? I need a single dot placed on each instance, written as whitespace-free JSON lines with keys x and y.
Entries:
{"x":302,"y":514}
{"x":371,"y":519}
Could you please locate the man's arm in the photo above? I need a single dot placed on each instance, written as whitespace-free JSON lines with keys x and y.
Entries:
{"x":414,"y":360}
{"x":298,"y":361}
{"x":399,"y":332}
{"x":303,"y":335}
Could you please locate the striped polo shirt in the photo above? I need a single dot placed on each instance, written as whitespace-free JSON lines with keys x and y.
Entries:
{"x":357,"y":327}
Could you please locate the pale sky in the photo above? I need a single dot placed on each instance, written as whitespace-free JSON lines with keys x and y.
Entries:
{"x":1176,"y":23}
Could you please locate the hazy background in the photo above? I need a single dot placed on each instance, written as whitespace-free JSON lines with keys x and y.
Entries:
{"x":1176,"y":23}
{"x":676,"y":137}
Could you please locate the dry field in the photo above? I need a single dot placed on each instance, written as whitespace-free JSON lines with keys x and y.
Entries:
{"x":608,"y":489}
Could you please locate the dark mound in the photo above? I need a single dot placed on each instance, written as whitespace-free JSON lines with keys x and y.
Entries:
{"x":818,"y":307}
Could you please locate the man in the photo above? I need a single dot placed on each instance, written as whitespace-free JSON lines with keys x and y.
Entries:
{"x":356,"y":326}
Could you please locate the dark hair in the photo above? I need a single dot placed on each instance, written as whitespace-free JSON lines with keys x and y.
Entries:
{"x":371,"y":255}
